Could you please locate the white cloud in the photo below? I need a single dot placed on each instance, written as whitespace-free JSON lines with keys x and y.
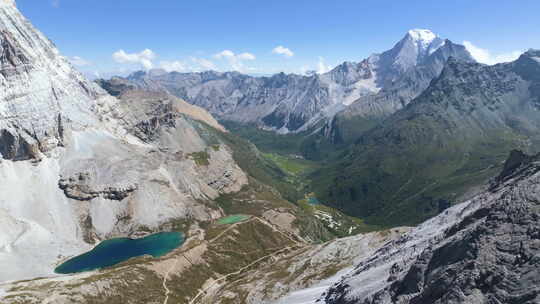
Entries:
{"x":281,"y":50}
{"x":322,"y":67}
{"x":246,"y":56}
{"x":195,"y":65}
{"x":224,"y":54}
{"x":485,"y":56}
{"x":107,"y":74}
{"x":146,"y":59}
{"x":230,"y":54}
{"x":306,"y":70}
{"x":173,"y":66}
{"x":236,"y":61}
{"x":79,"y":61}
{"x":143,"y":58}
{"x":204,"y":64}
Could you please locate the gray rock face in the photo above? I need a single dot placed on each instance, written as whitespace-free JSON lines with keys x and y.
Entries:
{"x":40,"y":93}
{"x":400,"y":83}
{"x":486,"y":250}
{"x":281,"y":102}
{"x":293,"y":103}
{"x":81,"y":188}
{"x":78,"y":165}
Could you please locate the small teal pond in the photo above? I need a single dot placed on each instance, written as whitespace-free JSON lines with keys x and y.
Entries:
{"x":114,"y":251}
{"x":313,"y":201}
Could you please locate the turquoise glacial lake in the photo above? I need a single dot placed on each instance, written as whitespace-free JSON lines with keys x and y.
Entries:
{"x":114,"y":251}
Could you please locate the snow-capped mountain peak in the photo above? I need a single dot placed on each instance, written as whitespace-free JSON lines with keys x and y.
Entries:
{"x":413,"y":48}
{"x":422,"y":35}
{"x":7,"y":2}
{"x":425,"y":41}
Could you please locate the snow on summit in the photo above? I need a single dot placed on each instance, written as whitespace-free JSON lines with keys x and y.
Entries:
{"x":425,"y":40}
{"x":7,"y":2}
{"x":425,"y":36}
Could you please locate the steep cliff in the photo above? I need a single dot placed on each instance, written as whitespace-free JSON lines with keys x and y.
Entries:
{"x":79,"y":166}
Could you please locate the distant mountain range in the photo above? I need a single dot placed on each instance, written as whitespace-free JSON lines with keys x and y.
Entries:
{"x":289,"y":103}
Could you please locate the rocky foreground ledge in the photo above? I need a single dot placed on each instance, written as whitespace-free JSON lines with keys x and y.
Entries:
{"x":486,"y":250}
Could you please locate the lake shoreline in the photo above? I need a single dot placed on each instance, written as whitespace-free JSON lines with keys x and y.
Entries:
{"x":108,"y":253}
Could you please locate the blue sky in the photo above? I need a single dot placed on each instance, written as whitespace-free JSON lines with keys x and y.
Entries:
{"x":117,"y":36}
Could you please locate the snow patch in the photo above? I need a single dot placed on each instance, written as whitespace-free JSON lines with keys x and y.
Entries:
{"x":7,"y":2}
{"x":436,"y":45}
{"x":422,"y":35}
{"x":426,"y":41}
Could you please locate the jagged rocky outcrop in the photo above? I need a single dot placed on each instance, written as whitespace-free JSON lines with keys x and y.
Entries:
{"x":149,"y":107}
{"x":115,"y":86}
{"x":378,"y":85}
{"x":40,"y":92}
{"x":486,"y":250}
{"x":80,"y":187}
{"x":402,"y":83}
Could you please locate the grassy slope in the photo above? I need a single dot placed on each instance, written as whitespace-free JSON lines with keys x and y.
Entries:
{"x":267,"y":141}
{"x":136,"y":282}
{"x":311,"y":145}
{"x":256,"y":165}
{"x":291,"y":176}
{"x":399,"y":185}
{"x":266,"y":176}
{"x":249,"y":158}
